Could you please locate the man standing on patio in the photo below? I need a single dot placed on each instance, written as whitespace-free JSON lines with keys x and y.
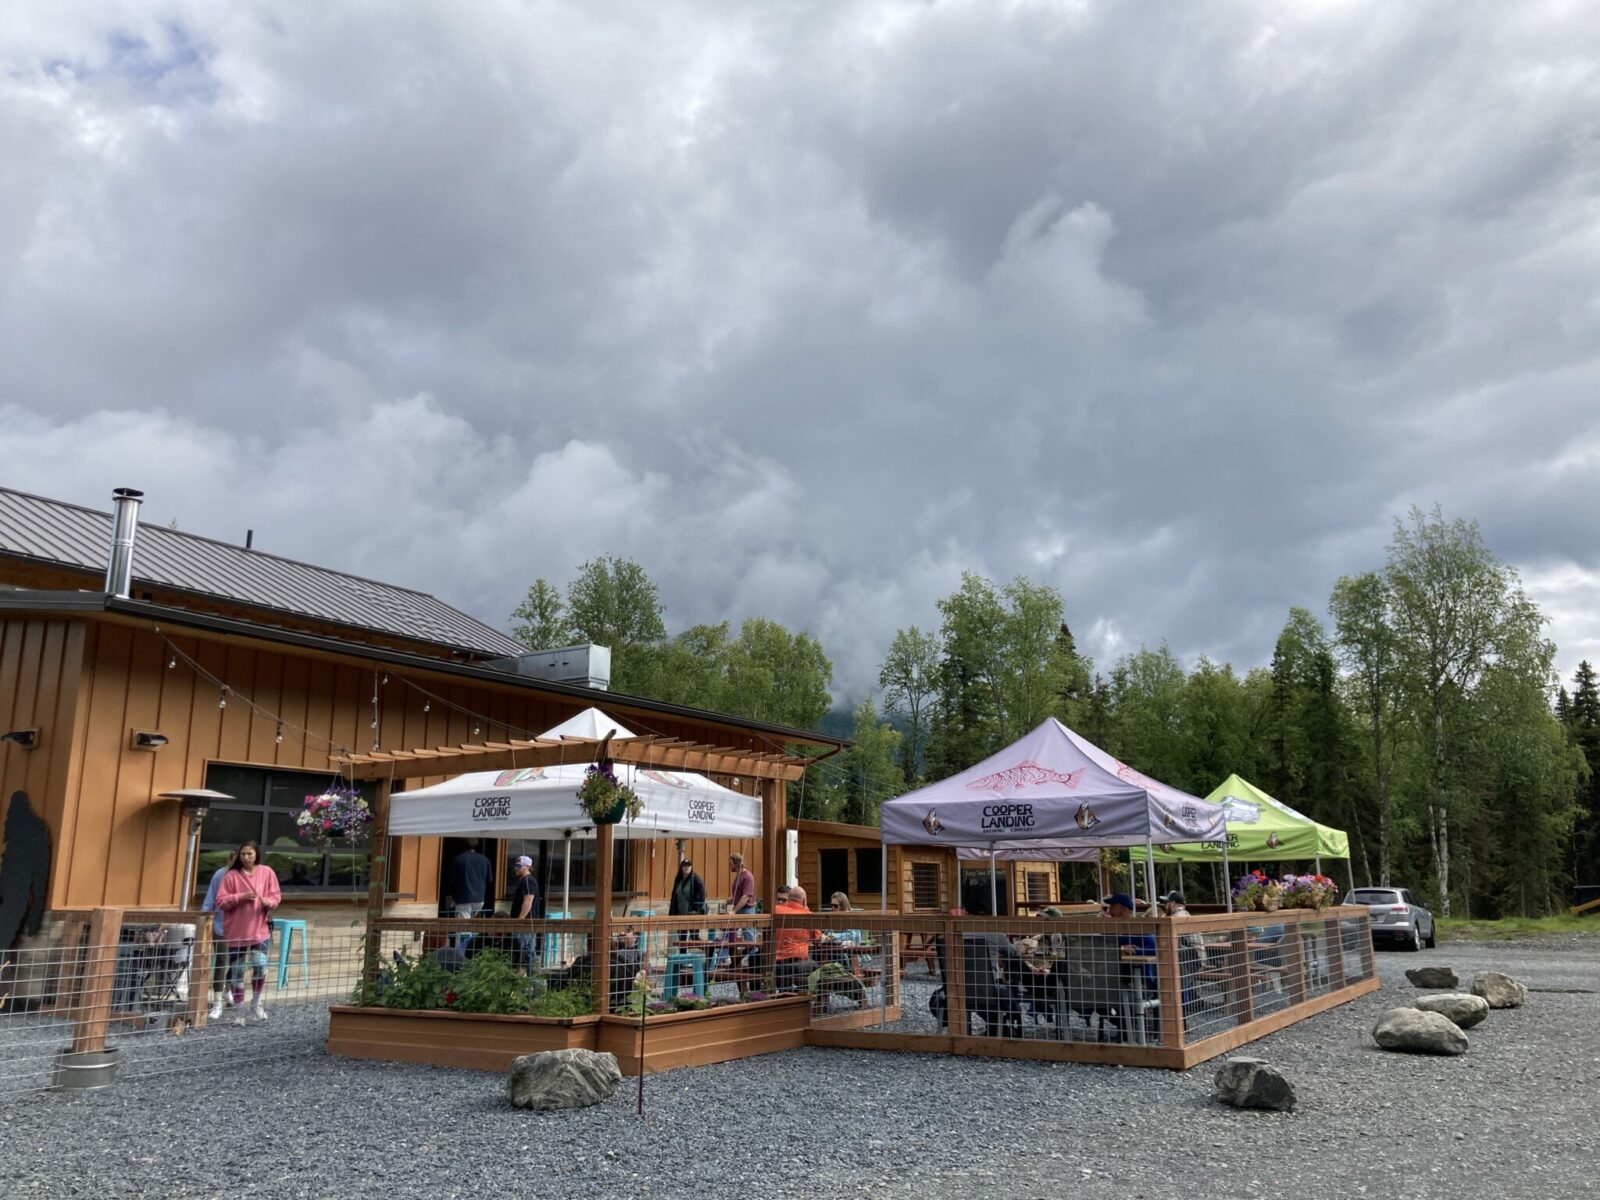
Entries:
{"x":469,"y":882}
{"x":525,"y":907}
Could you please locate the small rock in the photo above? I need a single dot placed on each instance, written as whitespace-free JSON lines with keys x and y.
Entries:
{"x":1466,"y":1011}
{"x":1433,"y":977}
{"x":1253,"y":1083}
{"x":1415,"y":1032}
{"x":1501,"y":991}
{"x":562,"y":1079}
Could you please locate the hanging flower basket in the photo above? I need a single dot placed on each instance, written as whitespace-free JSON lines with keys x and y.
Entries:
{"x":604,"y":799}
{"x":334,"y":814}
{"x":1309,"y":891}
{"x":1256,"y":891}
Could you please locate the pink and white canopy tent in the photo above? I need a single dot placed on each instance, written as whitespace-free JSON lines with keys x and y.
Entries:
{"x":1048,"y":793}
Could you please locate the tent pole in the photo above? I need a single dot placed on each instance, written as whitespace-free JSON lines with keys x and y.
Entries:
{"x":1180,"y":880}
{"x":1133,"y":882}
{"x":1150,"y":872}
{"x":994,"y":893}
{"x":1319,"y":862}
{"x":1227,"y":878}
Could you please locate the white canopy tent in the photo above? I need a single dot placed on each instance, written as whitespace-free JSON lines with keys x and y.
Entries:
{"x":541,"y":803}
{"x":1049,"y":794}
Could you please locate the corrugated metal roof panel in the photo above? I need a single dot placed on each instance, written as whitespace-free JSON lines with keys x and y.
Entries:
{"x":36,"y":527}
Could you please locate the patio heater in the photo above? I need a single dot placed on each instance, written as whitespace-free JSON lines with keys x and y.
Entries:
{"x":196,"y":803}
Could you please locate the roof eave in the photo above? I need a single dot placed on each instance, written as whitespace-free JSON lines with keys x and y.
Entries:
{"x":92,"y":602}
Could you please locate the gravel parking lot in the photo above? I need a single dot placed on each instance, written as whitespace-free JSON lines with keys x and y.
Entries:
{"x":1515,"y":1117}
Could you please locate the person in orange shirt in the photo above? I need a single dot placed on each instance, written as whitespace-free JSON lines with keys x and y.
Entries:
{"x":792,"y":947}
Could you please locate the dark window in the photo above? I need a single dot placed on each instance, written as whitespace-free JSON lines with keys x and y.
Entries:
{"x":833,"y":868}
{"x":869,"y":871}
{"x":925,"y":886}
{"x":548,"y":869}
{"x":1374,"y":896}
{"x":265,"y":806}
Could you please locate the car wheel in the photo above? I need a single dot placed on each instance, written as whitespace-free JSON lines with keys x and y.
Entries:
{"x":1416,"y":939}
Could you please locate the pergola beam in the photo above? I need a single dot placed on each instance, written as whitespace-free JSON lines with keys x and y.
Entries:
{"x":645,"y":751}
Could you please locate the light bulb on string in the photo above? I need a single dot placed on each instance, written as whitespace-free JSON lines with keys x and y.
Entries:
{"x":279,"y":738}
{"x":427,"y":706}
{"x":475,"y":730}
{"x":386,"y":679}
{"x":172,"y":661}
{"x":222,"y":700}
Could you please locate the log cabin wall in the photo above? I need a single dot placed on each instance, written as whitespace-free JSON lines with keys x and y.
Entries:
{"x":88,"y":683}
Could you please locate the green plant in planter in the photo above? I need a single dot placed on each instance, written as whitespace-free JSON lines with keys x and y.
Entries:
{"x":488,"y":983}
{"x":577,"y":1001}
{"x":407,"y":982}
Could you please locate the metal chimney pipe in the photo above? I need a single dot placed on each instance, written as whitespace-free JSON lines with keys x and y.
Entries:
{"x":124,"y":523}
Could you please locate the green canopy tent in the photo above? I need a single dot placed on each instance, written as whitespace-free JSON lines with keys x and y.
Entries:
{"x":1260,"y":829}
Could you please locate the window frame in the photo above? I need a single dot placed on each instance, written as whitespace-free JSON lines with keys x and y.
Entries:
{"x":359,"y":849}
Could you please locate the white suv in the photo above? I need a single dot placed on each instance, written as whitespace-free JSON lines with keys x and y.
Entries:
{"x":1396,"y":916}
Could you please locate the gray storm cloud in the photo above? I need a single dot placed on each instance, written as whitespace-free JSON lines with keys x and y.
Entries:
{"x":808,"y":310}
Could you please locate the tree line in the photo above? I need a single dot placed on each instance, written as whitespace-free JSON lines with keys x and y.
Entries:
{"x":1423,"y":717}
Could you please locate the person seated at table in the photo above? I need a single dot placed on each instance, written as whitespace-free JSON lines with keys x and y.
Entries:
{"x":1119,"y":907}
{"x":792,"y":947}
{"x":625,"y":964}
{"x":839,"y":902}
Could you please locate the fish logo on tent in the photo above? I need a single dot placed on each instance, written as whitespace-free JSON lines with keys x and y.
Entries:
{"x":525,"y":775}
{"x":1085,"y":816}
{"x":1026,"y":773}
{"x":932,"y":823}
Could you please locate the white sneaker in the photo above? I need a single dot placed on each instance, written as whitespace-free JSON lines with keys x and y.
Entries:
{"x":260,"y":1011}
{"x":216,"y":1011}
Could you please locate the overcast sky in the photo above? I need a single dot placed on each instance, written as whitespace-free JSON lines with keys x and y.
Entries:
{"x":809,"y":308}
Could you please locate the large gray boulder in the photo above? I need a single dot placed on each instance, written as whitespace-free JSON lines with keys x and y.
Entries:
{"x":1433,"y":977}
{"x":1501,"y":991}
{"x":1464,"y":1010}
{"x":1253,"y":1083}
{"x":1412,"y":1031}
{"x":563,"y":1079}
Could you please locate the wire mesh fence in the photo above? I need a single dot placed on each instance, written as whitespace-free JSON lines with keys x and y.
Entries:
{"x":129,"y":993}
{"x":1077,"y":980}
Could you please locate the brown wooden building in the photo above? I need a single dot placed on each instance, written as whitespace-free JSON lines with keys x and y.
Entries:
{"x":834,"y":857}
{"x":224,"y":668}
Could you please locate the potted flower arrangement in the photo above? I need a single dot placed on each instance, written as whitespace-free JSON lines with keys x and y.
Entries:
{"x":1256,"y":891}
{"x":1309,"y":891}
{"x":605,"y":799}
{"x":339,"y":812}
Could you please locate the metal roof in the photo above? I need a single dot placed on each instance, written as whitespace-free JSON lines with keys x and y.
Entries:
{"x":67,"y":534}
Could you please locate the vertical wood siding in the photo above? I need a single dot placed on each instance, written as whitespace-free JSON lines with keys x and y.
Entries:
{"x":88,"y":684}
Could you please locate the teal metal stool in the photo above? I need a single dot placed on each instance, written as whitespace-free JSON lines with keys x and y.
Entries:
{"x":286,"y":931}
{"x":676,"y":963}
{"x":641,"y":912}
{"x":554,"y":943}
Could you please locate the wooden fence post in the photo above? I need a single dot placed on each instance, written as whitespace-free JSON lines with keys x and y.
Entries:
{"x":93,"y":1010}
{"x":955,"y":984}
{"x":1170,"y":984}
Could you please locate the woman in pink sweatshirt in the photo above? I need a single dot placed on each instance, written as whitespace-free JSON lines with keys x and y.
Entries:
{"x":247,"y":896}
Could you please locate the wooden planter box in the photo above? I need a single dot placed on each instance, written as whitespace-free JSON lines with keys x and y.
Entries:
{"x":450,"y":1039}
{"x":713,"y":1035}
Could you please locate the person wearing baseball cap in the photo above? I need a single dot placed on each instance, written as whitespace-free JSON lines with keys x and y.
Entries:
{"x":525,"y":907}
{"x":1172,"y":905}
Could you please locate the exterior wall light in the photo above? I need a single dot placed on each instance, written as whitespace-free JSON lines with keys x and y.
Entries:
{"x":143,"y":740}
{"x":27,"y":739}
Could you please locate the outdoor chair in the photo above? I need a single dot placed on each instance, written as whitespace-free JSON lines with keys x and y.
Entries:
{"x":1090,"y":983}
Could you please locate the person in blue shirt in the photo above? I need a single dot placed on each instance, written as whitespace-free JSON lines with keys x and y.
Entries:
{"x":1119,"y":907}
{"x":219,"y":949}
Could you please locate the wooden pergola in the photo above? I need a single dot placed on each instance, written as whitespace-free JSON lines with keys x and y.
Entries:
{"x":771,"y":770}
